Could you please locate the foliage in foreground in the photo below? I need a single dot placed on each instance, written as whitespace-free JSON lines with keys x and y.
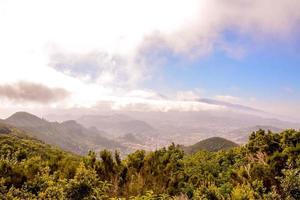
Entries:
{"x":268,"y":167}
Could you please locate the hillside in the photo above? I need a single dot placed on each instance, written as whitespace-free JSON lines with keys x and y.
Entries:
{"x":24,"y":119}
{"x":210,"y":144}
{"x":68,"y":135}
{"x":129,"y":138}
{"x":19,"y":142}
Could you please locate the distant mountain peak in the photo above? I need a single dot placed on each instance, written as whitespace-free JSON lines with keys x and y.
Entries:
{"x":229,"y":105}
{"x":25,"y":119}
{"x":69,"y":135}
{"x":22,"y":114}
{"x":72,"y":124}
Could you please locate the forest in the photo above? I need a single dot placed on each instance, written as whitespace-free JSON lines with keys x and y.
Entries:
{"x":267,"y":167}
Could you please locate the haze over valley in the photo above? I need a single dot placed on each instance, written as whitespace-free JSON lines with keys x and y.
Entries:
{"x":128,"y":131}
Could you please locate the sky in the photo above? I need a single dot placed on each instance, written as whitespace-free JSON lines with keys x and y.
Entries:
{"x":149,"y":55}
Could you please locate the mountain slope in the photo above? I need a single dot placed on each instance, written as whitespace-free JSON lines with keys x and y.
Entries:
{"x":210,"y":144}
{"x":229,"y":105}
{"x":20,"y":140}
{"x":187,"y":127}
{"x":24,"y":119}
{"x":68,"y":135}
{"x":117,"y":124}
{"x":130,"y":138}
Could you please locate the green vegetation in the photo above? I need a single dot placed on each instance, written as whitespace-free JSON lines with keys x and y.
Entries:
{"x":210,"y":144}
{"x":68,"y":135}
{"x":268,"y":167}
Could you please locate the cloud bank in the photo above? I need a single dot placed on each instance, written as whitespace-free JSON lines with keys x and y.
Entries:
{"x":257,"y":19}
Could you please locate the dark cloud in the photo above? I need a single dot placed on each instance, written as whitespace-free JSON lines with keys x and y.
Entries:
{"x":32,"y":92}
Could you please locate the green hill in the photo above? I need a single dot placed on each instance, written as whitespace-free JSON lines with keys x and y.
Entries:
{"x":68,"y":135}
{"x":17,"y":145}
{"x":210,"y":144}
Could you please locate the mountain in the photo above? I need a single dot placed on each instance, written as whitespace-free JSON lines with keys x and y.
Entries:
{"x":210,"y":144}
{"x":230,"y":105}
{"x":130,"y":138}
{"x":68,"y":135}
{"x":116,"y":124}
{"x":158,"y":129}
{"x":4,"y":130}
{"x":21,"y":145}
{"x":24,"y":119}
{"x":186,"y":127}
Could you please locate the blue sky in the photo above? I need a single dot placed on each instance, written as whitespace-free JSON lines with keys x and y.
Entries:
{"x":269,"y":69}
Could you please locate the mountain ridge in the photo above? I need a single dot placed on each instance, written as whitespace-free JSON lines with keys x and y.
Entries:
{"x":69,"y":135}
{"x":229,"y":105}
{"x":23,"y":118}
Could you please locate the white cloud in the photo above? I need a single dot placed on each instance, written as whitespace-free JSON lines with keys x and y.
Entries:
{"x":256,"y":18}
{"x":141,"y":104}
{"x":227,"y":98}
{"x":189,"y":95}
